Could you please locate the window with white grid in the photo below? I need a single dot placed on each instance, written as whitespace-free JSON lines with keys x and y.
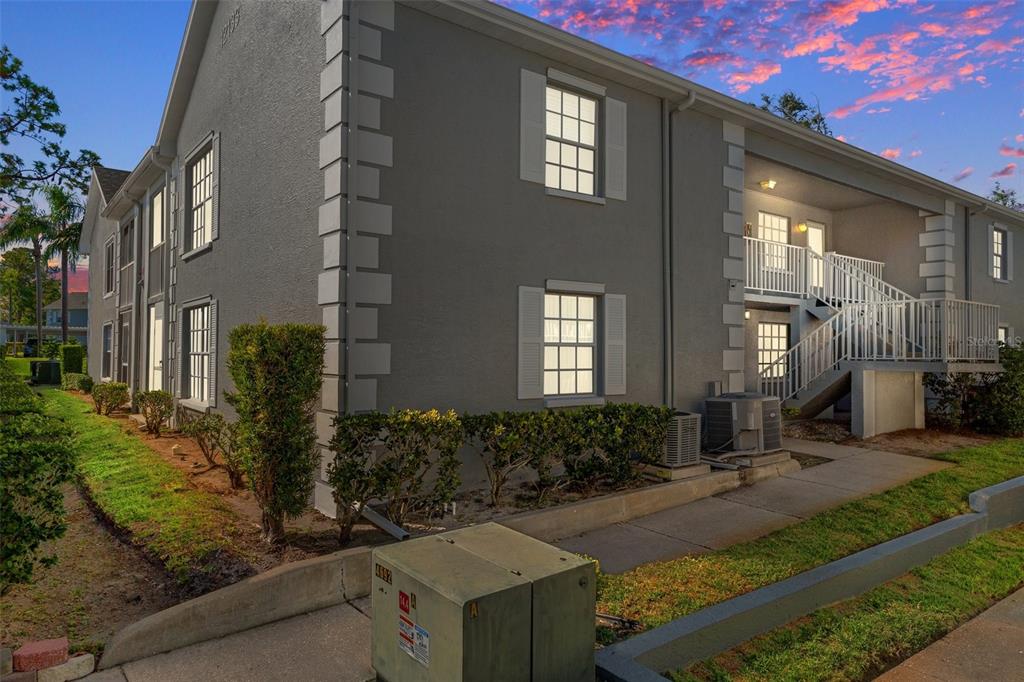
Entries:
{"x":999,"y":253}
{"x":774,"y":228}
{"x":571,"y":152}
{"x":200,"y":177}
{"x":772,"y":343}
{"x":569,"y":347}
{"x":199,"y":352}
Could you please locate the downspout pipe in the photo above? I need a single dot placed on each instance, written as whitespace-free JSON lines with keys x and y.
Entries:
{"x":668,"y":342}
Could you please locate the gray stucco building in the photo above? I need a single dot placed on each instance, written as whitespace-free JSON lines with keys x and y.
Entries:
{"x":488,"y":213}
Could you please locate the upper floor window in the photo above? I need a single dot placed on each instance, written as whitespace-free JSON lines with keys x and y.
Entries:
{"x":571,"y":145}
{"x":128,"y":243}
{"x":569,"y":346}
{"x":773,"y":228}
{"x":156,"y":219}
{"x":200,"y":200}
{"x":108,"y":267}
{"x":999,"y":254}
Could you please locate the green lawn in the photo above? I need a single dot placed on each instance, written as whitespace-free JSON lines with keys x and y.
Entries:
{"x":22,"y":366}
{"x":187,"y":529}
{"x":859,"y":638}
{"x":657,"y":593}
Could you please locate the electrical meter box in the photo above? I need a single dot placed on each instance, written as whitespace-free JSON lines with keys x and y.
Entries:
{"x":483,"y":603}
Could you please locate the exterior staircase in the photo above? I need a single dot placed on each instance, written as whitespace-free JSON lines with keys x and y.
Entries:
{"x":863,"y":319}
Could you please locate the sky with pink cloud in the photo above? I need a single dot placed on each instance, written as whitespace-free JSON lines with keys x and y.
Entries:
{"x":936,"y":85}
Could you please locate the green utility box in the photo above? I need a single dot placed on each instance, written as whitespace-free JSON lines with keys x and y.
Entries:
{"x":485,"y":604}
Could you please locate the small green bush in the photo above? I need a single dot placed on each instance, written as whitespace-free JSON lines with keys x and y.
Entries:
{"x":605,"y":444}
{"x":353,"y":474}
{"x":511,"y":441}
{"x":215,"y":435}
{"x":109,"y":396}
{"x":51,"y":348}
{"x":76,"y":382}
{"x":987,"y":402}
{"x":3,"y":351}
{"x":36,"y":459}
{"x":276,"y":372}
{"x":72,"y":356}
{"x":156,"y":408}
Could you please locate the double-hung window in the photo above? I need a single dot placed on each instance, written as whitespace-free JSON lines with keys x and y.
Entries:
{"x":198,"y":357}
{"x":569,"y":347}
{"x":108,"y":267}
{"x":999,"y":254}
{"x":571,"y":141}
{"x":775,"y":229}
{"x":200,"y":200}
{"x":106,"y":359}
{"x":772,"y":342}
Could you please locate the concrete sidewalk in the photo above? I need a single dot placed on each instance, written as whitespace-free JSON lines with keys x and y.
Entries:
{"x":989,"y":648}
{"x":751,"y":511}
{"x":330,"y":644}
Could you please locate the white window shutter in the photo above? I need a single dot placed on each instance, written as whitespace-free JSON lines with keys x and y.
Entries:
{"x":614,"y":344}
{"x":531,"y":343}
{"x":531,"y":126}
{"x":215,"y":190}
{"x":614,"y":149}
{"x":212,"y":398}
{"x":180,"y":355}
{"x":1009,"y":255}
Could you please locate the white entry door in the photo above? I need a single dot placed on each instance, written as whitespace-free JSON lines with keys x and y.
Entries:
{"x":156,"y":345}
{"x":816,"y":243}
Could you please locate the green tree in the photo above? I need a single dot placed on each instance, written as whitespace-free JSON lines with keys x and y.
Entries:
{"x":792,"y":107}
{"x":65,"y":220}
{"x":28,"y":224}
{"x":1006,"y":196}
{"x":30,"y":114}
{"x":17,"y":282}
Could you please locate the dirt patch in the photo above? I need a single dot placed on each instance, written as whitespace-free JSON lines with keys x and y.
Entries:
{"x":808,"y":461}
{"x":98,"y":586}
{"x":916,"y":442}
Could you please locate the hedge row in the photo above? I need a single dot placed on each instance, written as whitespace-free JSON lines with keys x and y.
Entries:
{"x":36,"y":459}
{"x":392,"y":457}
{"x":989,"y":403}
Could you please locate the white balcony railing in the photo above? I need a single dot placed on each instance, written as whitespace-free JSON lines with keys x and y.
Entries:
{"x":773,"y":267}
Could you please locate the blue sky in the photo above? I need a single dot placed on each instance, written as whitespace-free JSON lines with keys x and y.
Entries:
{"x":936,"y":85}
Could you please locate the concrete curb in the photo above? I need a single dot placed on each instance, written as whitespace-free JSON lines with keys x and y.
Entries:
{"x":717,"y":628}
{"x":282,"y":592}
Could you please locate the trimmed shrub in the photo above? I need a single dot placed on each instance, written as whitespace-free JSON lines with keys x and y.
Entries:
{"x":511,"y":441}
{"x":36,"y":459}
{"x":71,"y":358}
{"x":231,"y":454}
{"x":607,"y":443}
{"x":156,"y":408}
{"x":214,"y":434}
{"x":420,"y":443}
{"x":353,"y":474}
{"x":76,"y":382}
{"x":109,"y":396}
{"x":989,"y":402}
{"x":3,"y":351}
{"x":50,"y":349}
{"x":276,"y":372}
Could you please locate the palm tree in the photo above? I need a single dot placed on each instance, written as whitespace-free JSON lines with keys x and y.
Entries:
{"x":27,"y":224}
{"x":65,"y":222}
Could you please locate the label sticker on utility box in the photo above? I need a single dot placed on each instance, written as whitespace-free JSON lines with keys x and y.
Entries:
{"x":414,"y":640}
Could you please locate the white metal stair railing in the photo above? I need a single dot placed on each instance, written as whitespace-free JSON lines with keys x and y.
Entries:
{"x":855,"y":280}
{"x":911,"y":330}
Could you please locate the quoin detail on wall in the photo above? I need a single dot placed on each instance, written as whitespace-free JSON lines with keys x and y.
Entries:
{"x":733,"y":264}
{"x":354,"y":155}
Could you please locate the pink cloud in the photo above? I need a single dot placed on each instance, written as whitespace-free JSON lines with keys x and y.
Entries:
{"x":934,"y":29}
{"x":819,"y":43}
{"x":966,"y":172}
{"x":907,"y":91}
{"x":841,"y":138}
{"x":1006,"y":171}
{"x":891,"y":153}
{"x":996,"y":46}
{"x":758,"y":73}
{"x":916,"y":153}
{"x":1019,"y":137}
{"x":1007,"y":150}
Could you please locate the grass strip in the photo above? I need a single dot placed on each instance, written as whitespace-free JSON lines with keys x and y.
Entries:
{"x":656,"y":593}
{"x":188,"y":530}
{"x":861,"y":637}
{"x":21,"y":366}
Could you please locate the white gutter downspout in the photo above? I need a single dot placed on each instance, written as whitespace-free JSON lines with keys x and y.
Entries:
{"x":668,"y":341}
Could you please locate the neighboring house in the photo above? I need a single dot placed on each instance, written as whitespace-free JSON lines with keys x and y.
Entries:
{"x":506,"y":217}
{"x":78,"y":311}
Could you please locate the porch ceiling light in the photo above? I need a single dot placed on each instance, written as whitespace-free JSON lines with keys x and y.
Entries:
{"x":746,"y":314}
{"x":767,"y":184}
